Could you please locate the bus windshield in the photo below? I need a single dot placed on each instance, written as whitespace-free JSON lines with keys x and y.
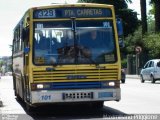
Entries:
{"x":56,"y":42}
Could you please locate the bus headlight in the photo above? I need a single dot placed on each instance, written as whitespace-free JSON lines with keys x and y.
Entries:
{"x":111,"y":83}
{"x":108,"y":84}
{"x":39,"y":86}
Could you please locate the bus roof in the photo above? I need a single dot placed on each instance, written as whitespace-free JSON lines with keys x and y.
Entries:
{"x":74,"y":5}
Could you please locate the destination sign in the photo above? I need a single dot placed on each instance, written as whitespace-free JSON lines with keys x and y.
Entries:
{"x":72,"y":12}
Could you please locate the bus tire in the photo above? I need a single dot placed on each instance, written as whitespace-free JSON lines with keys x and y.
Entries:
{"x":123,"y":80}
{"x":14,"y":85}
{"x":142,"y":80}
{"x":152,"y":79}
{"x":29,"y":108}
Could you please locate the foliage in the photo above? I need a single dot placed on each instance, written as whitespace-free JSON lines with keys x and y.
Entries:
{"x":152,"y":10}
{"x":156,"y":11}
{"x":150,"y":43}
{"x":133,"y":40}
{"x":124,"y":63}
{"x":2,"y":63}
{"x":130,"y":22}
{"x":151,"y":23}
{"x":10,"y":67}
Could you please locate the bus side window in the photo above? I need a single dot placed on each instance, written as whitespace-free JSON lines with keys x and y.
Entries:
{"x":25,"y":38}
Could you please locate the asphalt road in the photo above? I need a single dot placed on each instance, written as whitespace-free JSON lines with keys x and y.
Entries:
{"x":137,"y":98}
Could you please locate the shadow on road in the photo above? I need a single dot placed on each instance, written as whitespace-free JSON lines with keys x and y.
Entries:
{"x":149,"y":82}
{"x":49,"y":112}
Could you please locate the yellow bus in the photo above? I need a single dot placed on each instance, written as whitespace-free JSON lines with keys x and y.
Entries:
{"x":67,"y":53}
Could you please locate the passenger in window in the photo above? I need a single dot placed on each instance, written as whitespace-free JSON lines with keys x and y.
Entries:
{"x":41,"y":46}
{"x":43,"y":42}
{"x":91,"y":42}
{"x":90,"y":39}
{"x":94,"y":39}
{"x":53,"y":43}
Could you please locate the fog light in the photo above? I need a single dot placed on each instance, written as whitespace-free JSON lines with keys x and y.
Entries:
{"x":40,"y":86}
{"x":111,"y":83}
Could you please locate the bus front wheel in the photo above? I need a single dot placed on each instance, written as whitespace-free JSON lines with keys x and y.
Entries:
{"x":29,"y":108}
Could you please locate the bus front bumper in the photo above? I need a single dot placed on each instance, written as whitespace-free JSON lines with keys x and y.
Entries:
{"x":85,"y":95}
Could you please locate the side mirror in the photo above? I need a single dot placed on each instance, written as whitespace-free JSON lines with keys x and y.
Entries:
{"x":26,"y":50}
{"x":119,"y":26}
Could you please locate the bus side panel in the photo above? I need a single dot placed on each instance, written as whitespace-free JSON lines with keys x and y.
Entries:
{"x":18,"y":73}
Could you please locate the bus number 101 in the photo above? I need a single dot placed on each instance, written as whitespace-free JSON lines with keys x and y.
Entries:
{"x":46,"y":97}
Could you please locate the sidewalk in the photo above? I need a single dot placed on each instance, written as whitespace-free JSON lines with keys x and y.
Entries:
{"x":133,"y":76}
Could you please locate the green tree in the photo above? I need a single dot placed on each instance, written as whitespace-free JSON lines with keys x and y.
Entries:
{"x":2,"y":63}
{"x":133,"y":40}
{"x":150,"y":43}
{"x":143,"y":16}
{"x":151,"y":23}
{"x":156,"y":5}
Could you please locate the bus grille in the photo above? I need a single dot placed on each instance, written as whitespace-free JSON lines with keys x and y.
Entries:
{"x":75,"y":75}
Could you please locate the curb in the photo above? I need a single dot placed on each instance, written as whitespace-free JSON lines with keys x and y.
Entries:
{"x":133,"y":76}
